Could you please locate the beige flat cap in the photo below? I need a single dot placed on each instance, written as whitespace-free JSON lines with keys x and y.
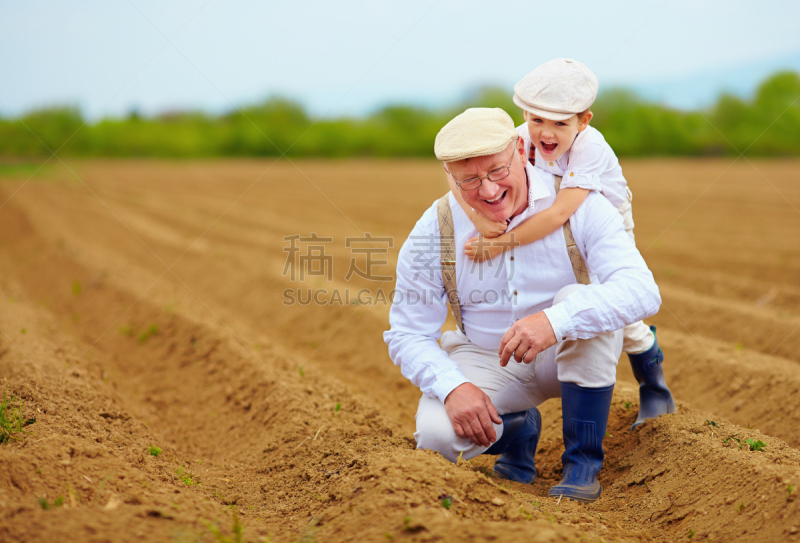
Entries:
{"x":557,"y":90}
{"x":479,"y":131}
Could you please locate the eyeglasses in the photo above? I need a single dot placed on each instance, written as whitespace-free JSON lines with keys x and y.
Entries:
{"x":474,"y":183}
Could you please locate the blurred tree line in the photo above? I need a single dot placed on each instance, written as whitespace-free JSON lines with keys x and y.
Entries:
{"x":767,"y":125}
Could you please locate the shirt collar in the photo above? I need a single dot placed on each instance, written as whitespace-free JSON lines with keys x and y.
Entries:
{"x":537,"y":189}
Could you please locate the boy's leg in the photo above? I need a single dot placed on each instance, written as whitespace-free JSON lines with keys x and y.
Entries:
{"x":637,"y":338}
{"x":655,"y":398}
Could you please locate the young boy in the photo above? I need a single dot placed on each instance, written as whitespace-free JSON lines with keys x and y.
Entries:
{"x":556,"y":98}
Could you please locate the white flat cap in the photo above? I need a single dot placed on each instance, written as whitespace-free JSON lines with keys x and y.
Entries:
{"x":557,"y":90}
{"x":479,"y":131}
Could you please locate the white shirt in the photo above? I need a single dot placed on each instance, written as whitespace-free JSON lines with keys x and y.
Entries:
{"x":589,"y":163}
{"x":524,"y":281}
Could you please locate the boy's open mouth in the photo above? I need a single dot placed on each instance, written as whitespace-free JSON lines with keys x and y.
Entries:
{"x":498,"y":199}
{"x":549,"y":147}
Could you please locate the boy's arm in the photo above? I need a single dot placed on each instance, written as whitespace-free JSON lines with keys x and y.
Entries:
{"x":537,"y":227}
{"x":487,"y":227}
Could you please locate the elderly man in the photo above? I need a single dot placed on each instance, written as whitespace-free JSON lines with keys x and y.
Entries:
{"x":527,"y":305}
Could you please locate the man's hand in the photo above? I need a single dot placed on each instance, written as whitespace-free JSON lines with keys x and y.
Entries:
{"x":471,"y":412}
{"x":526,"y":338}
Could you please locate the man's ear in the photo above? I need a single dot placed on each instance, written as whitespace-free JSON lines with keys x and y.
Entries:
{"x":521,"y":148}
{"x":584,"y":122}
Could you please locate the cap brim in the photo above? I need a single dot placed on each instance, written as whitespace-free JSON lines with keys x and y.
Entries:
{"x":549,"y":115}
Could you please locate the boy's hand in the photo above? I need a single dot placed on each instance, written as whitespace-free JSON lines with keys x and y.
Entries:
{"x":480,"y":250}
{"x":487,"y":227}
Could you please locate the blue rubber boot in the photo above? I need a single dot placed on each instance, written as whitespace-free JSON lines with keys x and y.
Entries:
{"x":517,"y":446}
{"x":585,"y":412}
{"x":655,"y":399}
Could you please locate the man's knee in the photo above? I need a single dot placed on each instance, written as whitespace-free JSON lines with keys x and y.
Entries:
{"x":435,"y":432}
{"x":436,"y":436}
{"x":587,"y":362}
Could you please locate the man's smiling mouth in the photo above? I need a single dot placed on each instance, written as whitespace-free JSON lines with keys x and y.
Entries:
{"x":498,"y":199}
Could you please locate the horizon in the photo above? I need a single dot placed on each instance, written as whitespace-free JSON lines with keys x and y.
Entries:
{"x":109,"y":60}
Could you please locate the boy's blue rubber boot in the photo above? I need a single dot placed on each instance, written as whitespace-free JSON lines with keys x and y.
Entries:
{"x":585,"y":412}
{"x":517,"y":446}
{"x":655,"y":399}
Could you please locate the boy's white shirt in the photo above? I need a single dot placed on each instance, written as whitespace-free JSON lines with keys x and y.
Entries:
{"x":589,"y":163}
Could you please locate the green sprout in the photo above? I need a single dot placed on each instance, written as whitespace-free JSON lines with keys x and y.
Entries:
{"x":300,"y":371}
{"x":76,"y":287}
{"x":153,"y":450}
{"x":627,"y":404}
{"x":186,"y":477}
{"x":236,"y":528}
{"x":58,"y":502}
{"x":147,"y":334}
{"x":447,"y":502}
{"x":338,"y":407}
{"x":756,"y":445}
{"x":8,"y":423}
{"x":741,"y":507}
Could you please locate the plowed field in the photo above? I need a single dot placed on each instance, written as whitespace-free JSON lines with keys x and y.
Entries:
{"x":142,"y":304}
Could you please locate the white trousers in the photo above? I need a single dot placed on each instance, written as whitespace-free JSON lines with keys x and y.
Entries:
{"x":638,"y":337}
{"x":517,"y":387}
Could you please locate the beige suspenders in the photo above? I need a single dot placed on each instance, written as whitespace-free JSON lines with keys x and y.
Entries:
{"x":447,"y":242}
{"x":448,"y":253}
{"x":578,"y":265}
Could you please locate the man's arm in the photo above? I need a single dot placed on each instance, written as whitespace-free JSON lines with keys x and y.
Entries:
{"x":626,"y":291}
{"x":418,"y":313}
{"x":416,"y":318}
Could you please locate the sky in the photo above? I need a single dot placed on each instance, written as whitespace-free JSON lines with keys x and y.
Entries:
{"x":350,"y":57}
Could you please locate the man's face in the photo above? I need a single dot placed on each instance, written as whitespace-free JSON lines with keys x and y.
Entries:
{"x":500,"y":200}
{"x":554,"y":138}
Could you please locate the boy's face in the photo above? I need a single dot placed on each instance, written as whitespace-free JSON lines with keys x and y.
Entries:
{"x":554,"y":138}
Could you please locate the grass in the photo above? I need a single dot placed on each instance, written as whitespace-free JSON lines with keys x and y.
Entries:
{"x":756,"y":445}
{"x":58,"y":502}
{"x":9,"y":424}
{"x":20,"y":169}
{"x":187,"y":478}
{"x":147,"y":334}
{"x":236,"y":528}
{"x":153,"y":450}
